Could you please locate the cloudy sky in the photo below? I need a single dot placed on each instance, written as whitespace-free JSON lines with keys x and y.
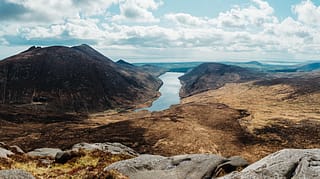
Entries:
{"x":167,"y":30}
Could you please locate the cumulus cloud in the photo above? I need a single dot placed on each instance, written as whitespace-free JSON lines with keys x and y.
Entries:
{"x":137,"y":10}
{"x":81,"y":29}
{"x":241,"y":32}
{"x":93,"y":7}
{"x":186,"y":19}
{"x":307,"y":12}
{"x":254,"y":16}
{"x":3,"y":41}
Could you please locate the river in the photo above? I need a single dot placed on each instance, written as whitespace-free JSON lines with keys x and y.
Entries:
{"x":169,"y":92}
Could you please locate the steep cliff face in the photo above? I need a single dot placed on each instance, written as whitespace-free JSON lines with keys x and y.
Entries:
{"x":213,"y":76}
{"x":72,"y":79}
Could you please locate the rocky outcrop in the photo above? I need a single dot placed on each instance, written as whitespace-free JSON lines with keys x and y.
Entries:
{"x":72,"y":79}
{"x":15,"y":174}
{"x":44,"y":152}
{"x":4,"y":153}
{"x":113,"y":148}
{"x":64,"y":156}
{"x":284,"y":164}
{"x":287,"y":163}
{"x":177,"y":167}
{"x":6,"y":150}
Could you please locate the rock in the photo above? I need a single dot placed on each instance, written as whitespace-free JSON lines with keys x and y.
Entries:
{"x":15,"y":174}
{"x":44,"y":152}
{"x":250,"y":175}
{"x":45,"y":162}
{"x":176,"y":167}
{"x":2,"y":144}
{"x":234,"y":163}
{"x":4,"y":153}
{"x":16,"y":149}
{"x":114,"y":148}
{"x":64,"y":156}
{"x":287,"y":163}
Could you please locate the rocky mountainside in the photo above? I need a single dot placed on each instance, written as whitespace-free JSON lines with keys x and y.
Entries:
{"x":72,"y":79}
{"x":213,"y":76}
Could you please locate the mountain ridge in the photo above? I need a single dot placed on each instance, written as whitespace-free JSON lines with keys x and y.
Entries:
{"x":72,"y":79}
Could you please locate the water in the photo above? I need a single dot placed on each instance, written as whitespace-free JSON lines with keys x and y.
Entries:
{"x":169,"y":92}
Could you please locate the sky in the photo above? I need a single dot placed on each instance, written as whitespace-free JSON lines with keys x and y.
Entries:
{"x":167,"y":30}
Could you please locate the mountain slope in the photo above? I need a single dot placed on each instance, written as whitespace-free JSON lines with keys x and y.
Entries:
{"x":309,"y":67}
{"x":153,"y":70}
{"x":72,"y":79}
{"x":213,"y":76}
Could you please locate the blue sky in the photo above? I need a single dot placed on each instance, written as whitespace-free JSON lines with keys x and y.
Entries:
{"x":167,"y":30}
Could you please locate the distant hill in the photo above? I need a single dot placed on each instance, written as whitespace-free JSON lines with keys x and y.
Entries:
{"x":309,"y":67}
{"x":153,"y":70}
{"x":124,"y":63}
{"x":72,"y":79}
{"x":213,"y":76}
{"x":181,"y":67}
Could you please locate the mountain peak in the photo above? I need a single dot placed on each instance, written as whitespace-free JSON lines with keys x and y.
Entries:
{"x":122,"y":62}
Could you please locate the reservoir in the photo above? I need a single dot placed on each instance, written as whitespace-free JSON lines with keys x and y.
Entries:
{"x":169,"y":92}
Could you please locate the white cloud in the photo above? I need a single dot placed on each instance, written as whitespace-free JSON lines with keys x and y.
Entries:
{"x":72,"y":28}
{"x":137,"y":10}
{"x":246,"y":32}
{"x":3,"y":41}
{"x":307,"y":12}
{"x":186,"y":19}
{"x":254,"y":16}
{"x":93,"y":7}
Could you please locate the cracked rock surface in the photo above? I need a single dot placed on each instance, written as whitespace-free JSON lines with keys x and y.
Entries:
{"x":287,"y":163}
{"x":176,"y":167}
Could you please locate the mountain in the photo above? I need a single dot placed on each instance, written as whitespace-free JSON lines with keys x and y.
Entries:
{"x":153,"y":70}
{"x":72,"y":79}
{"x":180,"y":67}
{"x":213,"y":76}
{"x":309,"y":67}
{"x":124,"y":63}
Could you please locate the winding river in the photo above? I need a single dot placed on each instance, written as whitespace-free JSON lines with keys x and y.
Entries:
{"x":169,"y":92}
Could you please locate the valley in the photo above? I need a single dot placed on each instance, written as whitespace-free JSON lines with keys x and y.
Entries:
{"x":169,"y":92}
{"x":225,"y":110}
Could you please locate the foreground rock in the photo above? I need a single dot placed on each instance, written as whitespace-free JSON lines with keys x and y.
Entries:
{"x":6,"y":150}
{"x":287,"y":163}
{"x":4,"y":153}
{"x":113,"y":148}
{"x":44,"y":152}
{"x":182,"y":166}
{"x":15,"y":174}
